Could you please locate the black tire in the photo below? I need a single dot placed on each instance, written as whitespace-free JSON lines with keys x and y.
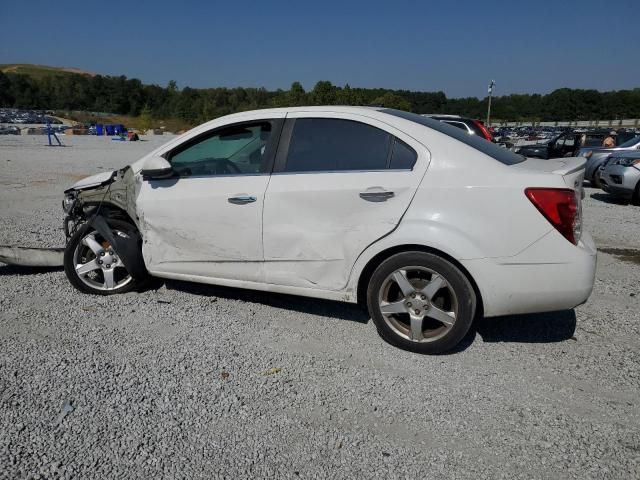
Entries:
{"x":70,"y":264}
{"x":456,"y":284}
{"x":595,"y":181}
{"x":635,"y":200}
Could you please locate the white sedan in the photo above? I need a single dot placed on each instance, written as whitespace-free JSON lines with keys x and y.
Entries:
{"x":425,"y":225}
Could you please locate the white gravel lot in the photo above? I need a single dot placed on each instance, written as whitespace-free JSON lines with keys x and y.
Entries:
{"x":194,"y":381}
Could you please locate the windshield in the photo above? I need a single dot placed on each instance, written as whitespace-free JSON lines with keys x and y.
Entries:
{"x":631,"y":142}
{"x":544,"y":141}
{"x":500,"y":154}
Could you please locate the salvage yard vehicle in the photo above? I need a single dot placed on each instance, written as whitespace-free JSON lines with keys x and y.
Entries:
{"x":424,"y":224}
{"x":569,"y":144}
{"x":469,"y":125}
{"x":596,"y":157}
{"x":620,"y":175}
{"x":563,"y":145}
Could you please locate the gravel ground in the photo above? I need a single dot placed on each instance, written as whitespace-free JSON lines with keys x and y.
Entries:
{"x":194,"y":381}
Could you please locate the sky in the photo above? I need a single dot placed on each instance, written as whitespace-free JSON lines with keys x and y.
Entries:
{"x":453,"y":46}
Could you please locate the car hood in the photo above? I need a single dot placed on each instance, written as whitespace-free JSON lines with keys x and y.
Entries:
{"x":93,"y":181}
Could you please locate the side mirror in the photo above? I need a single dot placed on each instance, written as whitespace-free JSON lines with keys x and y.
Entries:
{"x":156,"y":167}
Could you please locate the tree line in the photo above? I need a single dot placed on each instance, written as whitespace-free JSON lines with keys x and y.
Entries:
{"x":129,"y":96}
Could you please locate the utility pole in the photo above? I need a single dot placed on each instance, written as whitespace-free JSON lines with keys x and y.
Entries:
{"x":491,"y":84}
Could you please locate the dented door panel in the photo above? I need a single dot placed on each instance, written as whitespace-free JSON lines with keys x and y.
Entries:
{"x":190,"y":226}
{"x":316,"y":224}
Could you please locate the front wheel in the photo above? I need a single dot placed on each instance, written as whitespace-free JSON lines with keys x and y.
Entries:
{"x":421,"y":302}
{"x":636,"y":195}
{"x":595,"y":182}
{"x":91,"y":264}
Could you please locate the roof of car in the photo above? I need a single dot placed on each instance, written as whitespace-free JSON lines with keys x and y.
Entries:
{"x":440,"y":115}
{"x":315,"y":108}
{"x":626,"y":153}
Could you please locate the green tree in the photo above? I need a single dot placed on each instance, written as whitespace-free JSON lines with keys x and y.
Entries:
{"x":390,"y":100}
{"x":145,"y":119}
{"x":323,"y":93}
{"x":296,"y":95}
{"x":6,"y":100}
{"x":120,"y":95}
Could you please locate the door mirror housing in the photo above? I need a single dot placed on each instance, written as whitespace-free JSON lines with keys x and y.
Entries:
{"x":156,"y":167}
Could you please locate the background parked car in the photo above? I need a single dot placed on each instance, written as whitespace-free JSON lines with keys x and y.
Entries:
{"x":569,"y":144}
{"x":620,"y":176}
{"x":469,"y":125}
{"x":9,"y":130}
{"x":562,"y":145}
{"x":596,"y":158}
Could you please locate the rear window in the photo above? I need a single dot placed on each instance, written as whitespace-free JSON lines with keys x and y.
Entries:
{"x":593,"y":140}
{"x":500,"y":154}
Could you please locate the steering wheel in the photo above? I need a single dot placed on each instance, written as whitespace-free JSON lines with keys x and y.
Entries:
{"x":227,"y":165}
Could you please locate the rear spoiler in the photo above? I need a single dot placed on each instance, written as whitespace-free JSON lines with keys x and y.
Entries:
{"x":571,"y":165}
{"x":560,"y":166}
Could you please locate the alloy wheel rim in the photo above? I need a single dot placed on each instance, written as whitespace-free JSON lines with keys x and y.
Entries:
{"x":97,"y":264}
{"x":418,"y":304}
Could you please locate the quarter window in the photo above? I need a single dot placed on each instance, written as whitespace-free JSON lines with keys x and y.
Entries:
{"x":402,"y":156}
{"x":324,"y":144}
{"x":233,"y":150}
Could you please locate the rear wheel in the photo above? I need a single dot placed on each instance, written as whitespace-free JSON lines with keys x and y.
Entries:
{"x":91,"y":264}
{"x":421,"y":302}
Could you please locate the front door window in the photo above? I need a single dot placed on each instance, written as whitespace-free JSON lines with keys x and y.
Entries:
{"x":234,"y":150}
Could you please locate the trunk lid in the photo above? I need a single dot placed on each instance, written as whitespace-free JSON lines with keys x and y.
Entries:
{"x":571,"y":169}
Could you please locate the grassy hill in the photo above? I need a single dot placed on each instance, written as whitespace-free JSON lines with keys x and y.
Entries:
{"x":39,"y":71}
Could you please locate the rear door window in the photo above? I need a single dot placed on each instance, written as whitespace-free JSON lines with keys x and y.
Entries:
{"x":328,"y":144}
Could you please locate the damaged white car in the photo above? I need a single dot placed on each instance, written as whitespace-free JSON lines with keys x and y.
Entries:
{"x":425,"y":225}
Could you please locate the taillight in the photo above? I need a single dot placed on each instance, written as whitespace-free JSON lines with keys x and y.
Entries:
{"x":485,"y":132}
{"x":561,"y":207}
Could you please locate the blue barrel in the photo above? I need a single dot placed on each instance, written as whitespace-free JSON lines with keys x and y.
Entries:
{"x":99,"y":129}
{"x":110,"y":129}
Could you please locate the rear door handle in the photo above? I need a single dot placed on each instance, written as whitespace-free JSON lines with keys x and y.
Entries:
{"x":376,"y":196}
{"x":242,"y":199}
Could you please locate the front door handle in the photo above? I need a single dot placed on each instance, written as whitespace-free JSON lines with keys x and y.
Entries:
{"x":242,"y":199}
{"x":376,"y":195}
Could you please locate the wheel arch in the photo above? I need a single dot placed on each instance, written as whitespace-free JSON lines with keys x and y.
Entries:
{"x":110,"y":210}
{"x":376,"y":260}
{"x":128,"y":246}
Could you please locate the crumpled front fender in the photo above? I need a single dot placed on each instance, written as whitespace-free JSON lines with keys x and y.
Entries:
{"x":126,"y":245}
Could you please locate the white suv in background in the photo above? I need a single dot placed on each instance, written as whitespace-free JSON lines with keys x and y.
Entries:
{"x":424,"y":224}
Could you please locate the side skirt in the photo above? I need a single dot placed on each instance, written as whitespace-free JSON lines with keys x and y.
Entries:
{"x":341,"y":296}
